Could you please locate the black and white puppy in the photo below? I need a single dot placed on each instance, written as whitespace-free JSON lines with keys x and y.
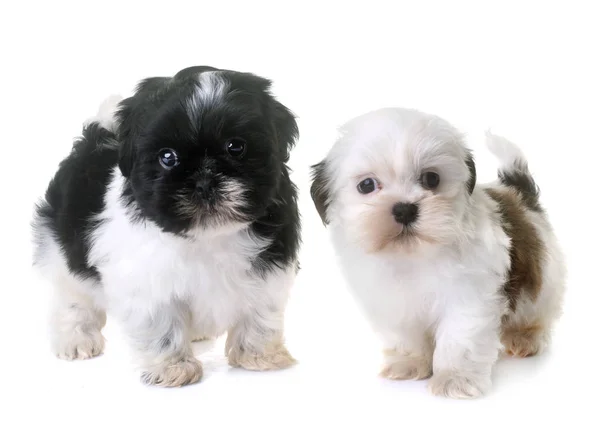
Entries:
{"x":175,"y":212}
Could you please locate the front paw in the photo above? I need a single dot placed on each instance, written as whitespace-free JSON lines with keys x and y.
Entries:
{"x":186,"y":371}
{"x":407,"y":368}
{"x":275,"y":358}
{"x":459,"y":385}
{"x":78,"y":345}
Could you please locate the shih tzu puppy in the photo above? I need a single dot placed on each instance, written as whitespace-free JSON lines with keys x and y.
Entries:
{"x":175,"y":213}
{"x":447,"y":271}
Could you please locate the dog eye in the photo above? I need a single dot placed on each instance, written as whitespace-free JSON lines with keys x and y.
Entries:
{"x":168,"y":158}
{"x":236,"y":147}
{"x":430,"y":180}
{"x":367,"y":186}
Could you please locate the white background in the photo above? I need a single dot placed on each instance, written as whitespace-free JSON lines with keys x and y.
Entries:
{"x":528,"y":70}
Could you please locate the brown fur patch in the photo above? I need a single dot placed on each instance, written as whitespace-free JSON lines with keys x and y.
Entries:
{"x":522,"y":341}
{"x":527,"y":249}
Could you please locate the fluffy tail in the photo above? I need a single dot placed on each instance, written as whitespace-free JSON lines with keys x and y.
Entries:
{"x":105,"y":115}
{"x":514,"y":171}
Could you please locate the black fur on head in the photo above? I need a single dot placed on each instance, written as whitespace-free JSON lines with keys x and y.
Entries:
{"x":319,"y":190}
{"x":196,"y":115}
{"x":226,"y":136}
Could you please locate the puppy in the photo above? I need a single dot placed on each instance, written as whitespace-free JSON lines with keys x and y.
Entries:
{"x":446,"y":271}
{"x":175,"y":212}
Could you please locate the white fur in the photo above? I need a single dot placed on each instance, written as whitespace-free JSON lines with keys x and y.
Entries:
{"x":160,"y":286}
{"x":450,"y":294}
{"x":77,"y":312}
{"x":212,"y":88}
{"x":508,"y":153}
{"x":105,"y":115}
{"x":437,"y":306}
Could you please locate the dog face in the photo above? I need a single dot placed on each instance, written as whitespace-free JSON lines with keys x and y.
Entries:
{"x":395,"y":179}
{"x":204,"y":149}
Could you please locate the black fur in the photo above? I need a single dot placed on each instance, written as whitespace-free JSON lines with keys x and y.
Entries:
{"x":472,"y":171}
{"x":520,"y":179}
{"x":75,"y":195}
{"x":158,"y":116}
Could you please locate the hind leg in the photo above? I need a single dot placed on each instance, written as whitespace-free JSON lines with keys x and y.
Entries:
{"x":525,"y":340}
{"x":76,"y":319}
{"x":528,"y":330}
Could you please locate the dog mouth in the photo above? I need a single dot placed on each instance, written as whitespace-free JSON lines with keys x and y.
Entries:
{"x":402,"y":235}
{"x":207,"y":203}
{"x":409,"y":235}
{"x":219,"y":206}
{"x":192,"y":203}
{"x":405,"y":231}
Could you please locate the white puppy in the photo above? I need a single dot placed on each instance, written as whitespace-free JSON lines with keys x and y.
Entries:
{"x":446,"y":271}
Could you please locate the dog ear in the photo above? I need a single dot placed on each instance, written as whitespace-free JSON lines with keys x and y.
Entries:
{"x":132,"y":115}
{"x":319,"y":190}
{"x":473,"y":172}
{"x":286,"y":130}
{"x":126,"y":135}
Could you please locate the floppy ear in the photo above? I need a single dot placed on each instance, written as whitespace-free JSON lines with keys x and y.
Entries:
{"x":319,"y":190}
{"x":286,"y":129}
{"x":473,"y":178}
{"x":126,"y":134}
{"x":132,"y":115}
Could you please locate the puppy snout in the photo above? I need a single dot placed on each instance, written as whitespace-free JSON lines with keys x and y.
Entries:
{"x":204,"y":187}
{"x":405,"y":213}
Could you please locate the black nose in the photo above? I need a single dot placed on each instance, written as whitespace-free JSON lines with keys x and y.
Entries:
{"x":405,"y":213}
{"x":204,"y":187}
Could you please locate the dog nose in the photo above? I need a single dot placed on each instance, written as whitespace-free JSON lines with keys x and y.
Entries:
{"x":204,"y":187}
{"x":405,"y":213}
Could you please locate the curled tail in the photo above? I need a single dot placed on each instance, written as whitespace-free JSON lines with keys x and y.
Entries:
{"x":514,"y":171}
{"x":105,"y":116}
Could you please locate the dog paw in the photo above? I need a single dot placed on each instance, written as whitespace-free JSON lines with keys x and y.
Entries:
{"x":202,"y":338}
{"x":407,"y":368}
{"x":180,"y":373}
{"x":523,"y":342}
{"x":78,"y":345}
{"x":273,"y":359}
{"x":458,"y":386}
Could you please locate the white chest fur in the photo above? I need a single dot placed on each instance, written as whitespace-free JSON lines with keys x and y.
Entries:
{"x":395,"y":290}
{"x":209,"y":272}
